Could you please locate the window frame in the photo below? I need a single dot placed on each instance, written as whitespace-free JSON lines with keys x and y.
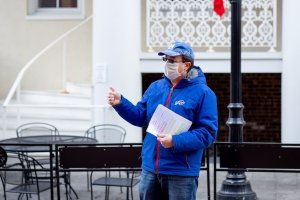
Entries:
{"x":36,"y":13}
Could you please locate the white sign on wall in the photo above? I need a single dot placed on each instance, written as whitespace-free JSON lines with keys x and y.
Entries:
{"x":100,"y":73}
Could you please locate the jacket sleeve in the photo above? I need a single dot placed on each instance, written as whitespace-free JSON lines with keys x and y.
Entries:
{"x":134,"y":114}
{"x":204,"y":129}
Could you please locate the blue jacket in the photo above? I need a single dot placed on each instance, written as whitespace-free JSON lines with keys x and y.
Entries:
{"x":191,"y":99}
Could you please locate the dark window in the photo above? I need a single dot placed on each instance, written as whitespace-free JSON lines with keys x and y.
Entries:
{"x":58,"y":3}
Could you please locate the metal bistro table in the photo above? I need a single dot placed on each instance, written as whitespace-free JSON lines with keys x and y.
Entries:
{"x":43,"y":143}
{"x":46,"y":143}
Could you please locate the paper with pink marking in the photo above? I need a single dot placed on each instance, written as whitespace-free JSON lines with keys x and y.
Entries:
{"x":165,"y":121}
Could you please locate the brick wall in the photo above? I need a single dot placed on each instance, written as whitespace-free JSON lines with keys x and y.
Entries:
{"x":261,"y":95}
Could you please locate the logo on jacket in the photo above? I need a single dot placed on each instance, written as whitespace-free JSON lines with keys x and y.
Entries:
{"x":180,"y":102}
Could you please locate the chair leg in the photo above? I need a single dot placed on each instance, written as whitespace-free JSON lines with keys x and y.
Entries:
{"x":88,"y":180}
{"x":131,"y":193}
{"x":91,"y":185}
{"x":71,"y":189}
{"x":106,"y":193}
{"x":121,"y":188}
{"x":68,"y":186}
{"x":20,"y":196}
{"x":4,"y":193}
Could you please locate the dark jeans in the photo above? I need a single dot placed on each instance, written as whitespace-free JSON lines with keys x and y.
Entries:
{"x":167,"y":187}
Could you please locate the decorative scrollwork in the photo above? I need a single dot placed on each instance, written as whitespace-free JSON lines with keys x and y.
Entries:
{"x":195,"y":22}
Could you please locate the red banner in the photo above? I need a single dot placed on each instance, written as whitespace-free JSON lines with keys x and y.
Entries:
{"x":219,"y":7}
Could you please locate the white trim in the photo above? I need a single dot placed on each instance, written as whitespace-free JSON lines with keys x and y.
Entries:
{"x":220,"y":62}
{"x":35,"y":13}
{"x":290,"y":93}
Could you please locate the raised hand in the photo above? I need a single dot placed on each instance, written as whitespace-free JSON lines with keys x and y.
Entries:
{"x":113,"y":98}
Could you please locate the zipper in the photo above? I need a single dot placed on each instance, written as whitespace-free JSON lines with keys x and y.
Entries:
{"x":158,"y":143}
{"x":157,"y":156}
{"x":187,"y":160}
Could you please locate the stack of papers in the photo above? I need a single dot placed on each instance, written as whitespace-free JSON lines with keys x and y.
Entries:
{"x":165,"y":121}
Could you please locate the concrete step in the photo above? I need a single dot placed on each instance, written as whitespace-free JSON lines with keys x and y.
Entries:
{"x":54,"y":97}
{"x":68,"y":120}
{"x":11,"y":132}
{"x":59,"y":123}
{"x":79,"y":88}
{"x":64,"y":126}
{"x":50,"y":113}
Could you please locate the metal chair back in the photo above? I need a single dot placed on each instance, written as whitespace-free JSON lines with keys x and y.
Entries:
{"x":36,"y":128}
{"x":107,"y":133}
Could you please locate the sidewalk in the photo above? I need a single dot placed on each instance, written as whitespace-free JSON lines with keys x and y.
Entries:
{"x":268,"y":186}
{"x":271,"y":186}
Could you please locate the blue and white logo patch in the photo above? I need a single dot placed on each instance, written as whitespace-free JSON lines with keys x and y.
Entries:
{"x":179,"y":102}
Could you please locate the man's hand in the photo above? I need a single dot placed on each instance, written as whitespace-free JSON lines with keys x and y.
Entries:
{"x":166,"y":140}
{"x":113,"y":98}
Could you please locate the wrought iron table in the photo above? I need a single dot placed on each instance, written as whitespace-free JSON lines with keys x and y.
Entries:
{"x":42,"y":143}
{"x":46,"y":144}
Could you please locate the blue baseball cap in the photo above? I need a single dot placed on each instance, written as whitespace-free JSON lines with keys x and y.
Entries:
{"x":178,"y":48}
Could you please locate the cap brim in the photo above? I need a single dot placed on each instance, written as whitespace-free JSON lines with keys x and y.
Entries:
{"x":168,"y":53}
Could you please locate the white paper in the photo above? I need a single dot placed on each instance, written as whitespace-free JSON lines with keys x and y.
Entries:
{"x":165,"y":121}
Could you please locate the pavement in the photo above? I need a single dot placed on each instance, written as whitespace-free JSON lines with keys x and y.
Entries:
{"x":266,"y":185}
{"x":270,"y":185}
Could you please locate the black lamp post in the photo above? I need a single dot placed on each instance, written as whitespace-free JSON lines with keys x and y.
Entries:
{"x":236,"y":186}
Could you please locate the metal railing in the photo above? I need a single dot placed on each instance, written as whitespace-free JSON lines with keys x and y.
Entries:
{"x":250,"y":157}
{"x":254,"y":157}
{"x":16,"y":85}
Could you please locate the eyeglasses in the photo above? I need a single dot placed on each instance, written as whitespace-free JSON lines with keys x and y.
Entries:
{"x":165,"y":59}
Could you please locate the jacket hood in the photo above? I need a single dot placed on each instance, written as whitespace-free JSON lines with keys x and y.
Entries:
{"x":194,"y":76}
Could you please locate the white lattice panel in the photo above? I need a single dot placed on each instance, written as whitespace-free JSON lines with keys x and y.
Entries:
{"x":195,"y":22}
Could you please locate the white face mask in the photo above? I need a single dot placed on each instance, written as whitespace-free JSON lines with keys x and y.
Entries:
{"x":171,"y":70}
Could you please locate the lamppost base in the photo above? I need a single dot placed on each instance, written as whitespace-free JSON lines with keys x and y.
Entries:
{"x":236,"y":187}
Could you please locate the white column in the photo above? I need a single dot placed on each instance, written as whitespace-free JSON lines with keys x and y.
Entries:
{"x":116,"y":45}
{"x":290,"y":72}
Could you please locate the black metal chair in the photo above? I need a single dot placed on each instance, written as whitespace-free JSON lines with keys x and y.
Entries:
{"x":44,"y":175}
{"x":37,"y":129}
{"x":106,"y":133}
{"x":126,"y":158}
{"x":23,"y":177}
{"x":129,"y":181}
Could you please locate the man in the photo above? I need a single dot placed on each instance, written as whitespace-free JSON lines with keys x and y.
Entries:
{"x":171,"y":163}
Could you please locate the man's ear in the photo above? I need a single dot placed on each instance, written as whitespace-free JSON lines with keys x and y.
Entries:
{"x":188,"y":65}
